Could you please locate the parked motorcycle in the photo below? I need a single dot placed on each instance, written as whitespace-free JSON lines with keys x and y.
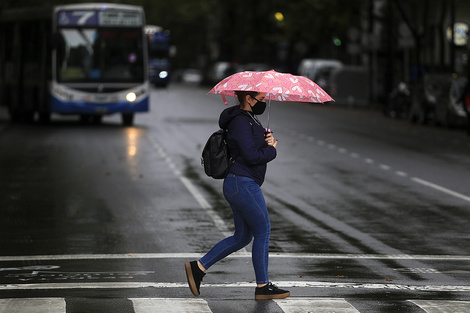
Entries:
{"x":399,"y":102}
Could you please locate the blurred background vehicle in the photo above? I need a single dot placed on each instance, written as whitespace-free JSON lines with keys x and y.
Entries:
{"x":192,"y":76}
{"x":319,"y":70}
{"x":439,"y":100}
{"x":217,"y":72}
{"x":159,"y":50}
{"x":455,"y":114}
{"x":88,"y":60}
{"x":349,"y":86}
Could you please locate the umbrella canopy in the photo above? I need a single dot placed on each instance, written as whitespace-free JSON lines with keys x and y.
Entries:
{"x":278,"y":86}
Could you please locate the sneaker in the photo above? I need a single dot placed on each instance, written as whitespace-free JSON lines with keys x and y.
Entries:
{"x":270,"y":291}
{"x":194,"y":275}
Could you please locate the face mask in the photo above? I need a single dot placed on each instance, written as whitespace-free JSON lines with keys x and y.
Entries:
{"x":259,"y":107}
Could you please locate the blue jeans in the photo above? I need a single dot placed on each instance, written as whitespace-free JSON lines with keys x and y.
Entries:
{"x":250,"y":215}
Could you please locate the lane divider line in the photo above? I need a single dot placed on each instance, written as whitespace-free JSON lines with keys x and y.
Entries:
{"x":383,"y":167}
{"x":440,"y":188}
{"x":203,"y":203}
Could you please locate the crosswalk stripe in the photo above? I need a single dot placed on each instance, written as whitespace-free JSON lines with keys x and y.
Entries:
{"x":32,"y":305}
{"x":431,"y":306}
{"x":167,"y":305}
{"x":195,"y":305}
{"x":316,"y":305}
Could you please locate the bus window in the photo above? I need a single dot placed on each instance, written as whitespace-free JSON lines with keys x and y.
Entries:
{"x":100,"y":55}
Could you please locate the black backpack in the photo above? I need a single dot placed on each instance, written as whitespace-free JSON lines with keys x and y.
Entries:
{"x":215,"y":156}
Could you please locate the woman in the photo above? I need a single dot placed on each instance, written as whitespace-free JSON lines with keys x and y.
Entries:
{"x":253,"y":148}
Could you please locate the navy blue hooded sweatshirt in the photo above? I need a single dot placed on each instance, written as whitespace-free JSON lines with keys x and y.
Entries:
{"x":245,"y":140}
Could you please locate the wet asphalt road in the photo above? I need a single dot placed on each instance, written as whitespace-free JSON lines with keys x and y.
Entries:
{"x":366,"y":211}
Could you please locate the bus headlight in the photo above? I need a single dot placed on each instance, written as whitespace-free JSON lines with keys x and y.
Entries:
{"x":163,"y":74}
{"x":131,"y":97}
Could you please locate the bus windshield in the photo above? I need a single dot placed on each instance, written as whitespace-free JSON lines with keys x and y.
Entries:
{"x":100,"y":55}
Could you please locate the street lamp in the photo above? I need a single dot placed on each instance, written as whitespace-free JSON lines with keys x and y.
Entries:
{"x":279,"y":16}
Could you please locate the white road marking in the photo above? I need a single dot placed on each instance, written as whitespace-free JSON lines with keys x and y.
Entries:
{"x":32,"y":305}
{"x":281,"y":284}
{"x":385,"y":167}
{"x":402,"y":174}
{"x":218,"y":221}
{"x":192,"y":305}
{"x":432,"y":306}
{"x":236,"y":255}
{"x":167,"y":305}
{"x":315,"y":305}
{"x":440,"y":188}
{"x":203,"y":203}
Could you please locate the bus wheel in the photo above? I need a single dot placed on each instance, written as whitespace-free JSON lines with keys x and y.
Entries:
{"x":96,"y":119}
{"x":44,"y":117}
{"x":127,"y":119}
{"x":85,"y":118}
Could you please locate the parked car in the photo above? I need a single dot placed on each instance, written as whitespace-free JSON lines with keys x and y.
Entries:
{"x":217,"y":72}
{"x":319,"y":70}
{"x":349,"y":86}
{"x":440,"y":101}
{"x":192,"y":76}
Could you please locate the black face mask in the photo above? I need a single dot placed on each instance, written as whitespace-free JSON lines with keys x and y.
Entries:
{"x":259,"y":107}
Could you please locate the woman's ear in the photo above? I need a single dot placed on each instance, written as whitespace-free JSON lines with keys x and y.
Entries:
{"x":247,"y":97}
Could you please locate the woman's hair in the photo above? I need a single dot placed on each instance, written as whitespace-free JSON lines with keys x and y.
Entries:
{"x":241,"y":95}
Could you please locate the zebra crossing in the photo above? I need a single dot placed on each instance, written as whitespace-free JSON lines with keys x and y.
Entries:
{"x":197,"y":305}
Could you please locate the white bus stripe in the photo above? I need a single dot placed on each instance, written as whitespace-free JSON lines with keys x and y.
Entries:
{"x":316,"y":305}
{"x":167,"y":305}
{"x":32,"y":305}
{"x":432,"y":306}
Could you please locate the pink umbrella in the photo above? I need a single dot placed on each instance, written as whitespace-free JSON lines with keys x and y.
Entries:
{"x":278,"y":86}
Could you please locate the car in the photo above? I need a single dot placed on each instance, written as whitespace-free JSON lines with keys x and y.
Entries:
{"x":159,"y":72}
{"x":349,"y":86}
{"x":192,"y":76}
{"x":217,"y":72}
{"x":319,"y":70}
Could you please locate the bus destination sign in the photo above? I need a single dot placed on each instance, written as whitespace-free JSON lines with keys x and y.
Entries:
{"x":99,"y":18}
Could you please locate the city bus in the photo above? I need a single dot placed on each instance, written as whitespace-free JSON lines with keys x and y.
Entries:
{"x":160,"y":50}
{"x":89,"y":60}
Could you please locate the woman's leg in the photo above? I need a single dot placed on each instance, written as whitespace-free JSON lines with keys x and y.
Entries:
{"x":247,"y":200}
{"x":255,"y":213}
{"x":240,"y":238}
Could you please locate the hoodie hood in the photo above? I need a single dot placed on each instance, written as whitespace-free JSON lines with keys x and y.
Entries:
{"x":228,"y":114}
